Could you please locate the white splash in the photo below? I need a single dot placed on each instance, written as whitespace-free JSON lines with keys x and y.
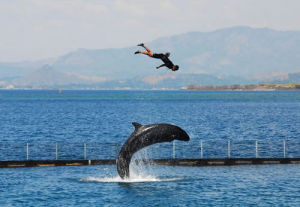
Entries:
{"x":129,"y":180}
{"x":139,"y":172}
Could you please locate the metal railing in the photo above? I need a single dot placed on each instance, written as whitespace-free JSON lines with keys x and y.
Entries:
{"x":194,"y":149}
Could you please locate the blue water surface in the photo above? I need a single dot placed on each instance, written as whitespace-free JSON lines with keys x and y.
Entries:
{"x":102,"y":120}
{"x":106,"y":116}
{"x":265,"y":185}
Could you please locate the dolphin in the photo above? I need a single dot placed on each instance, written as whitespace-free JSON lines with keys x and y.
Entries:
{"x":143,"y":136}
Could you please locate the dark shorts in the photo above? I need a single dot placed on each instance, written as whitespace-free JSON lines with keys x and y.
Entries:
{"x":164,"y":58}
{"x":158,"y":55}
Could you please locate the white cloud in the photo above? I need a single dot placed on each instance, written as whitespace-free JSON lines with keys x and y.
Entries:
{"x":129,"y":7}
{"x":168,"y":6}
{"x":70,"y":7}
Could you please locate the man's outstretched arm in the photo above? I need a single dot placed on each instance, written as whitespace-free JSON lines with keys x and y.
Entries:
{"x":161,"y":66}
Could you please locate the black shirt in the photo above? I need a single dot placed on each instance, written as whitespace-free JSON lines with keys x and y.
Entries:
{"x":168,"y":63}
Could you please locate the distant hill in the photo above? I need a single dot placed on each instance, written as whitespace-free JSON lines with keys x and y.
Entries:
{"x":48,"y":78}
{"x":288,"y":78}
{"x":237,"y":51}
{"x":237,"y":55}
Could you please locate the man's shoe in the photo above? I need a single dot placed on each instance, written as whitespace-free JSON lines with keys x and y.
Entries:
{"x":142,"y":45}
{"x":137,"y":52}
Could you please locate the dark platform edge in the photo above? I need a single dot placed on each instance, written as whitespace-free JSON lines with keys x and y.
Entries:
{"x":171,"y":162}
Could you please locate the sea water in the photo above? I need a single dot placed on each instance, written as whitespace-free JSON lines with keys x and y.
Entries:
{"x":51,"y":122}
{"x":38,"y":117}
{"x":106,"y":116}
{"x":261,"y":185}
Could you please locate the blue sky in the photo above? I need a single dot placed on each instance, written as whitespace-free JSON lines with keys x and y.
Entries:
{"x":37,"y":29}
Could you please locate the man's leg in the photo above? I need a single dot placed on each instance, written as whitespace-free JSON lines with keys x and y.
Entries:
{"x":149,"y":52}
{"x":146,"y":48}
{"x":145,"y":53}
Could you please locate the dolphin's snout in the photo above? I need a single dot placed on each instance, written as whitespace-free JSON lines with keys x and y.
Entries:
{"x":183,"y":136}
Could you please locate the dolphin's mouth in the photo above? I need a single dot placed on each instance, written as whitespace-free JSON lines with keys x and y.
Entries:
{"x":183,"y":137}
{"x":186,"y":139}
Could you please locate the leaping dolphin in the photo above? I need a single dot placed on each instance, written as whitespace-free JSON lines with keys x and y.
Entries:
{"x":143,"y":136}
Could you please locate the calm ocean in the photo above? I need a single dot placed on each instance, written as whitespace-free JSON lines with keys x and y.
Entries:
{"x":104,"y":117}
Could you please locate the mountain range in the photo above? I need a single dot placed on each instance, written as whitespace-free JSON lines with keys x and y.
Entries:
{"x":237,"y":55}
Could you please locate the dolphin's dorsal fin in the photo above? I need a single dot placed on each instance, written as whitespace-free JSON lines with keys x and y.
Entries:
{"x":136,"y":125}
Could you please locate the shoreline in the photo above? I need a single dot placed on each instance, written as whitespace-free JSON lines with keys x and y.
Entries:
{"x":249,"y":87}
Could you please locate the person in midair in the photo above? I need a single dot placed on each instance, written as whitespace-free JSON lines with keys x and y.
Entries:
{"x":163,"y":56}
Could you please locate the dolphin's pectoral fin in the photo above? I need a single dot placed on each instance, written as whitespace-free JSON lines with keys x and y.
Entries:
{"x":136,"y":125}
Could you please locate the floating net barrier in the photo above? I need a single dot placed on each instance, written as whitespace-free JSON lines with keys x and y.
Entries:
{"x":194,"y":149}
